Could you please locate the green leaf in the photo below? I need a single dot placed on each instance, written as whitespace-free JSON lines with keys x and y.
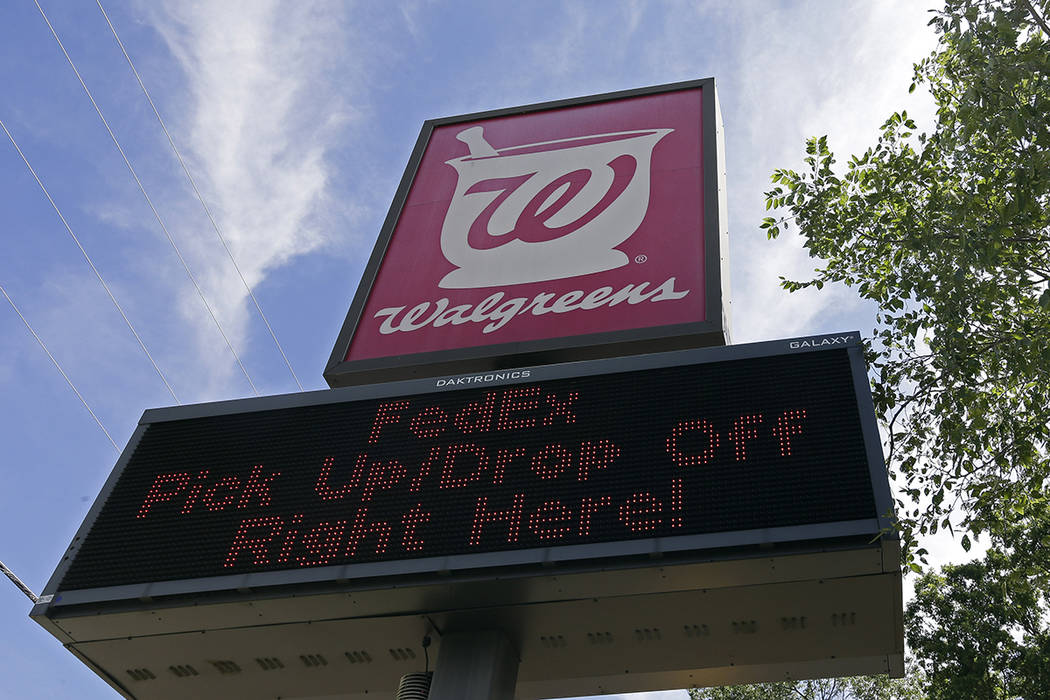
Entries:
{"x":948,"y":243}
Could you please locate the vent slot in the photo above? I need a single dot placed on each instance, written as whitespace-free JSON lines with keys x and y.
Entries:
{"x":554,"y":641}
{"x":599,"y":638}
{"x":647,"y":634}
{"x":359,"y":657}
{"x":845,"y":619}
{"x":140,"y":674}
{"x":696,"y":630}
{"x":745,"y":627}
{"x":269,"y":663}
{"x":313,"y":660}
{"x":183,"y":670}
{"x":795,"y":622}
{"x":402,"y":654}
{"x":226,"y":667}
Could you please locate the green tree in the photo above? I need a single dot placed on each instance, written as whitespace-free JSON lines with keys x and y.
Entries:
{"x":758,"y":691}
{"x":948,"y":232}
{"x":978,"y":630}
{"x":858,"y":688}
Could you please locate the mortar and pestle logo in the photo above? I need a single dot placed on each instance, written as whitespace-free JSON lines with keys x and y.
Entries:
{"x":545,"y":211}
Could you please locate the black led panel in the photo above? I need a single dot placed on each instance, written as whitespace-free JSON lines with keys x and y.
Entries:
{"x":741,"y":444}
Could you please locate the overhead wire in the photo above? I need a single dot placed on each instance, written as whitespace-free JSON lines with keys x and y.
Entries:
{"x":196,"y":191}
{"x":149,"y":201}
{"x":18,"y":582}
{"x":61,"y":371}
{"x":90,"y":263}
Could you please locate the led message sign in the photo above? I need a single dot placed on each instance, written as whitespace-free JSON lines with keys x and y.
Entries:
{"x":679,"y":446}
{"x":569,"y":226}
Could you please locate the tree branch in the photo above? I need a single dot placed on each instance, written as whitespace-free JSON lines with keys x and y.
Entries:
{"x":1036,"y":17}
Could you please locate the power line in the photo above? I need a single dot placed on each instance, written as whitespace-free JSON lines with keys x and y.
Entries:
{"x":59,"y":368}
{"x":196,"y":191}
{"x":18,"y":582}
{"x":149,"y":201}
{"x":91,"y":264}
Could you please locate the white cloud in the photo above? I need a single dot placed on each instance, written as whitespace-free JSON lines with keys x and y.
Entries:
{"x":410,"y":11}
{"x":559,"y":54}
{"x":270,"y":93}
{"x":786,"y":74}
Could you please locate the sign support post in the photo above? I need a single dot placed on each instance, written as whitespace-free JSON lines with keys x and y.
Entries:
{"x":475,"y":665}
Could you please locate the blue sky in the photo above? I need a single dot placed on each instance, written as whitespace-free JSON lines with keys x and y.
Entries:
{"x":296,"y":119}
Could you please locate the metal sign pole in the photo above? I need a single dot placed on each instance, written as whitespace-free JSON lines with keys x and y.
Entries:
{"x":475,"y":665}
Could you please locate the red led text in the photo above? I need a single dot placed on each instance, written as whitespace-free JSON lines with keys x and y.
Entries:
{"x":201,"y":490}
{"x":502,"y":471}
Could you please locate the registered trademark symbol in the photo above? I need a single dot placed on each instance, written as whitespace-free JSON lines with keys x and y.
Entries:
{"x":640,"y":258}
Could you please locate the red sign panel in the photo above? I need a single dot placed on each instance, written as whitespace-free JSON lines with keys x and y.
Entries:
{"x":562,"y":221}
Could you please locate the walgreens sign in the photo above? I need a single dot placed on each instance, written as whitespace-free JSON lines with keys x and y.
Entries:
{"x":560,"y":228}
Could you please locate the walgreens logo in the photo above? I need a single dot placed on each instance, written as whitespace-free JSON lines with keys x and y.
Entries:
{"x":537,"y":212}
{"x":544,"y":211}
{"x":495,"y":311}
{"x":565,"y":221}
